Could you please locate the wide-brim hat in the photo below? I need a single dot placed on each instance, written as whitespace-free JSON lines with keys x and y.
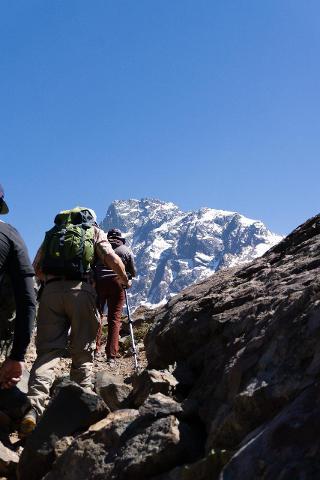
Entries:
{"x":3,"y":206}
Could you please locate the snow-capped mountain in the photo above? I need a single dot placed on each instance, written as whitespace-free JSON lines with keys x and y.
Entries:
{"x":174,"y":249}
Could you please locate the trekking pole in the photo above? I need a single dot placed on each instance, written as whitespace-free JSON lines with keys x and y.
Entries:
{"x":99,"y":334}
{"x":131,"y":333}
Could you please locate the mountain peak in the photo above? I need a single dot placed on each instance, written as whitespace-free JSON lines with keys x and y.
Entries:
{"x":174,"y":249}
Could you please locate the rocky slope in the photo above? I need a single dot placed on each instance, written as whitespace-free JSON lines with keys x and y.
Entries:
{"x":231,"y":390}
{"x":174,"y":249}
{"x":251,"y":339}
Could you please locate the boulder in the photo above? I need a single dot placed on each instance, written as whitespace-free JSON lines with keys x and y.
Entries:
{"x":59,"y":381}
{"x":115,"y":395}
{"x":286,"y":447}
{"x":140,"y":317}
{"x":151,"y":448}
{"x":126,"y":414}
{"x":112,"y":390}
{"x":250,"y":336}
{"x":207,"y":468}
{"x":159,"y":405}
{"x":126,"y":449}
{"x":14,"y":401}
{"x":73,"y":409}
{"x":8,"y":461}
{"x":61,"y":445}
{"x":104,"y":379}
{"x":245,"y":346}
{"x":89,"y":454}
{"x":152,"y":381}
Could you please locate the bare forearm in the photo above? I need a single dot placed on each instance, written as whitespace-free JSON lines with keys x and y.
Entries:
{"x":110,"y":259}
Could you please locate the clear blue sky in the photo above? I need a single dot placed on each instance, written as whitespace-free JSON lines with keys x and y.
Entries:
{"x":201,"y":102}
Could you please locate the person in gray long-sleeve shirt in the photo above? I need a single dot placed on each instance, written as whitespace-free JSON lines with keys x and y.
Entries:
{"x":111,"y":292}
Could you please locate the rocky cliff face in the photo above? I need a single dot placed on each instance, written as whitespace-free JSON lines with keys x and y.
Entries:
{"x":174,"y":249}
{"x":231,"y":391}
{"x":251,"y":336}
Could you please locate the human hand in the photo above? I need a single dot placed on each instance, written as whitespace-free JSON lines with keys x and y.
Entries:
{"x":10,"y":373}
{"x":124,"y":280}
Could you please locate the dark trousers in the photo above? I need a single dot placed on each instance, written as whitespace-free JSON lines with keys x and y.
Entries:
{"x":111,"y":292}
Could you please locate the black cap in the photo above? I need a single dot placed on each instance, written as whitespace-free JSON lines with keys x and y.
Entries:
{"x":3,"y":206}
{"x":116,"y":233}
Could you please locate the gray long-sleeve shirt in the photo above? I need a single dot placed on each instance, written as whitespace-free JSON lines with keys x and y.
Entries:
{"x":126,"y":256}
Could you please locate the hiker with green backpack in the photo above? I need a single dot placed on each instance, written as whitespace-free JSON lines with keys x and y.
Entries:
{"x":68,"y":302}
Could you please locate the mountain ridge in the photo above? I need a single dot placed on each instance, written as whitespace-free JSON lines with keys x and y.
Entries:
{"x":174,"y":249}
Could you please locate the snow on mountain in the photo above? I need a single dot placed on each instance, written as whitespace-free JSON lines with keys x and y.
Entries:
{"x":174,"y":249}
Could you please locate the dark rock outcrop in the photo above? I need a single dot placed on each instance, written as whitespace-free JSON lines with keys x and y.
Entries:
{"x":149,"y":382}
{"x":128,"y":445}
{"x":112,"y":390}
{"x":159,"y":405}
{"x":288,"y":447}
{"x":116,"y":395}
{"x":205,"y":469}
{"x":14,"y":401}
{"x":251,"y":337}
{"x":232,"y":387}
{"x":8,"y":461}
{"x":72,"y":410}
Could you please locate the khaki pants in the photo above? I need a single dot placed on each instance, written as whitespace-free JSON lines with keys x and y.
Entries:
{"x":65,"y":305}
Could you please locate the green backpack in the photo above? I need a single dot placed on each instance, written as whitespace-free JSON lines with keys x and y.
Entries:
{"x":68,"y":248}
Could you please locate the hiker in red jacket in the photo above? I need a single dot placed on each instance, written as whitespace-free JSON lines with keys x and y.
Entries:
{"x":110,"y":291}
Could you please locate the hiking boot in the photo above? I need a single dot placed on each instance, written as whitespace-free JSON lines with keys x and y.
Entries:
{"x":28,"y":423}
{"x":100,"y":356}
{"x":111,"y":362}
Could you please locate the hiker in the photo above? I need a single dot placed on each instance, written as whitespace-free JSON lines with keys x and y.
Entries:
{"x":68,"y":301}
{"x":17,"y":298}
{"x":111,"y":292}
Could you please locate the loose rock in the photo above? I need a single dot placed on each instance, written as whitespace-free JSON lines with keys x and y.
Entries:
{"x":8,"y":461}
{"x":152,"y":381}
{"x":72,"y":409}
